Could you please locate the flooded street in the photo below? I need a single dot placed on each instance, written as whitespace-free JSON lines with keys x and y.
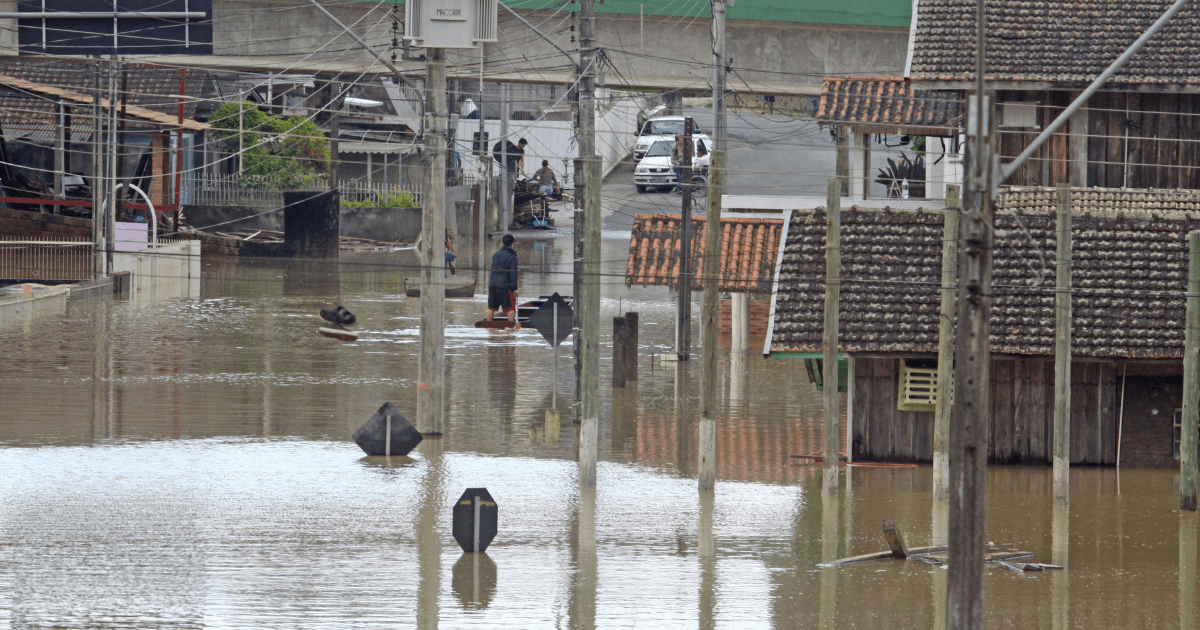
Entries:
{"x":187,"y":463}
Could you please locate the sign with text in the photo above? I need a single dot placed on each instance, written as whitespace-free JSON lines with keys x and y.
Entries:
{"x":450,"y":23}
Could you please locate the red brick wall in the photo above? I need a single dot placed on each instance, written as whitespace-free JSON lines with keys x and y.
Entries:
{"x":19,"y":223}
{"x":760,"y":312}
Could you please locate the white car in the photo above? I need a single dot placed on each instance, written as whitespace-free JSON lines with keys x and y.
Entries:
{"x":661,"y":128}
{"x":655,"y":170}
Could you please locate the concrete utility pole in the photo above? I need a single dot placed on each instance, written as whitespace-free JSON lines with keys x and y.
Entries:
{"x":683,"y":303}
{"x":431,"y":371}
{"x":1062,"y":352}
{"x":506,"y":178}
{"x":829,"y":362}
{"x":712,"y":259}
{"x":335,"y":110}
{"x":589,"y":306}
{"x":972,"y":362}
{"x":941,"y":418}
{"x":1191,"y":386}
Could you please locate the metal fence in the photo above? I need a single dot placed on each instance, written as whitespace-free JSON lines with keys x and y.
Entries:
{"x":46,"y":258}
{"x":232,"y":190}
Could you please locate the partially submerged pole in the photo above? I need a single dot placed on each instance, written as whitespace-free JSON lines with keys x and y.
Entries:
{"x":590,"y":321}
{"x":829,"y":364}
{"x":683,"y":303}
{"x":1062,"y":352}
{"x":941,"y":418}
{"x":431,"y":371}
{"x":1191,"y":386}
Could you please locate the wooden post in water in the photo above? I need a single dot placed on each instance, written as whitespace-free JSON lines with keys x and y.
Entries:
{"x":620,"y":337}
{"x":1191,"y":387}
{"x":941,"y":419}
{"x":1062,"y":352}
{"x":631,"y":346}
{"x":829,"y":366}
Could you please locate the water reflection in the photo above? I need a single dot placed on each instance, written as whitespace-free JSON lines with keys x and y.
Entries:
{"x":582,"y":606}
{"x":188,"y":463}
{"x":1187,"y":570}
{"x":474,"y":581}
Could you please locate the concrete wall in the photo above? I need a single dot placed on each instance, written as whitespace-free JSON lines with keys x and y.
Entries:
{"x":656,"y":46}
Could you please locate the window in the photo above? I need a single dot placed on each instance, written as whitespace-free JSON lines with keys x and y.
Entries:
{"x":1018,"y":114}
{"x":918,"y":385}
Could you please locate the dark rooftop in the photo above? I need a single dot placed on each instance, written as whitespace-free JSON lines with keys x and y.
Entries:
{"x":1130,"y":272}
{"x":1061,"y":41}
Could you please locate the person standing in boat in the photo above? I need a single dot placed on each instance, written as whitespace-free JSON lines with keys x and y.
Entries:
{"x":502,"y":283}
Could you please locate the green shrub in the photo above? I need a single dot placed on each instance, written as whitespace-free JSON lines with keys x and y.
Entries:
{"x":395,"y":199}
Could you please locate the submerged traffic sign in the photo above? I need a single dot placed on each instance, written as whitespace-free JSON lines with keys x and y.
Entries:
{"x":387,"y":432}
{"x":475,"y":519}
{"x":544,"y":317}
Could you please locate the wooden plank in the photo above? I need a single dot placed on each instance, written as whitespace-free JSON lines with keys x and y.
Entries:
{"x":895,"y":539}
{"x":1077,"y":411}
{"x":1020,"y":399}
{"x":1116,"y":140}
{"x":883,"y":405}
{"x":913,"y":552}
{"x":863,"y":381}
{"x":1096,"y":144}
{"x":1036,"y":387}
{"x":923,"y":436}
{"x":1002,"y":412}
{"x":1108,"y":415}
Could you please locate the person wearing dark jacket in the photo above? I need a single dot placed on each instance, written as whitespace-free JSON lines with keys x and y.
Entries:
{"x":502,"y":284}
{"x":516,"y":153}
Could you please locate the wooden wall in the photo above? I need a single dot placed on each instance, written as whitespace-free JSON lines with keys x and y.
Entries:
{"x":1022,"y":424}
{"x":1161,"y":150}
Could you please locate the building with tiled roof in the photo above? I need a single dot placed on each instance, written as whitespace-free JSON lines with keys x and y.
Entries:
{"x":859,"y":108}
{"x":1138,"y":132}
{"x":1130,"y":259}
{"x":749,"y":247}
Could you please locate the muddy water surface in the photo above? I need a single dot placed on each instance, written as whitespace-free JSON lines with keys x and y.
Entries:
{"x":187,"y":463}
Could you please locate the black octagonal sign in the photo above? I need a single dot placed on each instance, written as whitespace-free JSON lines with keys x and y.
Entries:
{"x":464,"y":519}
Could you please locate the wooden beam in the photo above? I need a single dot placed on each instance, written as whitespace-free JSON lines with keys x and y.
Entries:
{"x":941,"y":419}
{"x":895,"y":539}
{"x":1191,"y":387}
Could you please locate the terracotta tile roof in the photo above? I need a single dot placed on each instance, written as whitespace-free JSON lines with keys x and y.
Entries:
{"x":143,"y":113}
{"x":888,"y":102}
{"x":1064,"y":41}
{"x":749,"y":250}
{"x":1130,"y":274}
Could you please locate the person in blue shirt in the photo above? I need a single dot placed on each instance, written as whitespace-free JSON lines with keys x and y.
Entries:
{"x":502,"y":283}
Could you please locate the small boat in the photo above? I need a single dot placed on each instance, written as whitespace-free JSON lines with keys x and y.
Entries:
{"x":454,"y":289}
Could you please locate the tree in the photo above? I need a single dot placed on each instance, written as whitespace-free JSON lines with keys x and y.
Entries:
{"x":288,"y":152}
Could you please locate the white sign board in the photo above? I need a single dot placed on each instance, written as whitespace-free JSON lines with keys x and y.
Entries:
{"x":449,"y":23}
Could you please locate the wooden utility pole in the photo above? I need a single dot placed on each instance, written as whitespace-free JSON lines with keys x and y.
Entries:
{"x":829,"y":362}
{"x":941,"y":419}
{"x":589,"y":320}
{"x":1062,"y":352}
{"x":1191,"y":386}
{"x":683,"y":304}
{"x":431,"y":370}
{"x":712,"y":258}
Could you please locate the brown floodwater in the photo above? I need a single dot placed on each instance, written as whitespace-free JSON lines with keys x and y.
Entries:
{"x":187,"y":463}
